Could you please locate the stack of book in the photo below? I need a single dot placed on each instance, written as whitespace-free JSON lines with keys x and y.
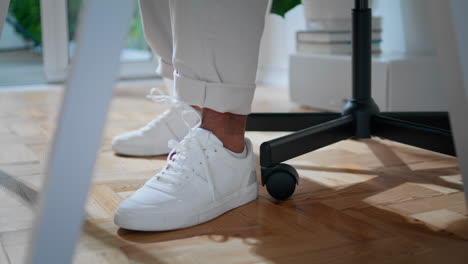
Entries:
{"x":334,"y":36}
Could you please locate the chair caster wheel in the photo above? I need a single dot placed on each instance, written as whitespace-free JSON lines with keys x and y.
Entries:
{"x":280,"y":181}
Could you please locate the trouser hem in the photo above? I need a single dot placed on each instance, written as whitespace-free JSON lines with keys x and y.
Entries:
{"x":221,"y":97}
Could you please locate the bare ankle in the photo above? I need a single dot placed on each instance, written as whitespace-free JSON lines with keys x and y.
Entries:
{"x":228,"y":127}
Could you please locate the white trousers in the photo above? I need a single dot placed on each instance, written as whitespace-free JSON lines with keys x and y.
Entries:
{"x":209,"y":47}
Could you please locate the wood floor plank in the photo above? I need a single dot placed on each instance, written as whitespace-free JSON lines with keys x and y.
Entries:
{"x":377,"y":251}
{"x":454,"y":202}
{"x":359,"y":201}
{"x":106,"y":198}
{"x":445,"y":219}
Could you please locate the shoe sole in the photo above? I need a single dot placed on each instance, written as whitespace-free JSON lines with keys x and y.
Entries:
{"x":127,"y":154}
{"x":138,"y":152}
{"x":176,"y":221}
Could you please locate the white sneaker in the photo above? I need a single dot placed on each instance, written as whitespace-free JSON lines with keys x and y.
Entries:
{"x":151,"y":140}
{"x":201,"y":181}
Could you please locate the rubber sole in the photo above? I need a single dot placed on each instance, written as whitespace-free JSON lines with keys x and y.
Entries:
{"x":138,"y":152}
{"x":164,"y":222}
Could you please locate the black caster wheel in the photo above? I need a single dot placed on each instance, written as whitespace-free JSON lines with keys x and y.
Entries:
{"x":280,"y":181}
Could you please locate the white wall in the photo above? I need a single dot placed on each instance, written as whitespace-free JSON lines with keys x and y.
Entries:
{"x":405,"y":30}
{"x":277,"y":43}
{"x":392,"y":25}
{"x":406,"y":26}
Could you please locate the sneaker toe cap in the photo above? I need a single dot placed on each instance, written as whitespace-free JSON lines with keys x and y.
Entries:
{"x":146,"y":204}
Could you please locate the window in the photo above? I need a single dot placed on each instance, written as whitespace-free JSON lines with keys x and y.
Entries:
{"x":38,"y":50}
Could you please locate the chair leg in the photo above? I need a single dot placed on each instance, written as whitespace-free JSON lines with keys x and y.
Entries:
{"x":287,"y":121}
{"x":418,"y":135}
{"x":77,"y":137}
{"x":433,"y":119}
{"x":281,"y":179}
{"x":280,"y":149}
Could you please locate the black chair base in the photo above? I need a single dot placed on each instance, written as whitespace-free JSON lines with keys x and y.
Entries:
{"x":427,"y":130}
{"x":361,"y":118}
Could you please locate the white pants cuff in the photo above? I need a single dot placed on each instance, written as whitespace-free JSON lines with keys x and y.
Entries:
{"x":221,"y":97}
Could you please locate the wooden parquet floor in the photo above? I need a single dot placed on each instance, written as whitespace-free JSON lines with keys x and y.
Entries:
{"x":359,"y":201}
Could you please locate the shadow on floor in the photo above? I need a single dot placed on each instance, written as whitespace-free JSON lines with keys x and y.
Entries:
{"x":294,"y":230}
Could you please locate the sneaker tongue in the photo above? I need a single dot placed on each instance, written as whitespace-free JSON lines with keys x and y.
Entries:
{"x":206,"y":137}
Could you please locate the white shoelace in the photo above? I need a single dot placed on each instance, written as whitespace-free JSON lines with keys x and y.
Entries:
{"x":158,"y":96}
{"x":178,"y":160}
{"x":180,"y":164}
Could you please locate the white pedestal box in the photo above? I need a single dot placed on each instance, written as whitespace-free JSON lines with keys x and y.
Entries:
{"x":399,"y":83}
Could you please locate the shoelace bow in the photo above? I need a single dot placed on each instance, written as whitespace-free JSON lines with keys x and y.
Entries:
{"x":178,"y":164}
{"x":158,"y":96}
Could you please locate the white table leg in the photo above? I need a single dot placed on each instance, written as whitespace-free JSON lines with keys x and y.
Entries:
{"x":102,"y":30}
{"x":3,"y":13}
{"x":459,"y":95}
{"x":451,"y":37}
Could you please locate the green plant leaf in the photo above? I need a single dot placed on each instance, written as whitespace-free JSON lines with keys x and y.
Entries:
{"x":281,"y":7}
